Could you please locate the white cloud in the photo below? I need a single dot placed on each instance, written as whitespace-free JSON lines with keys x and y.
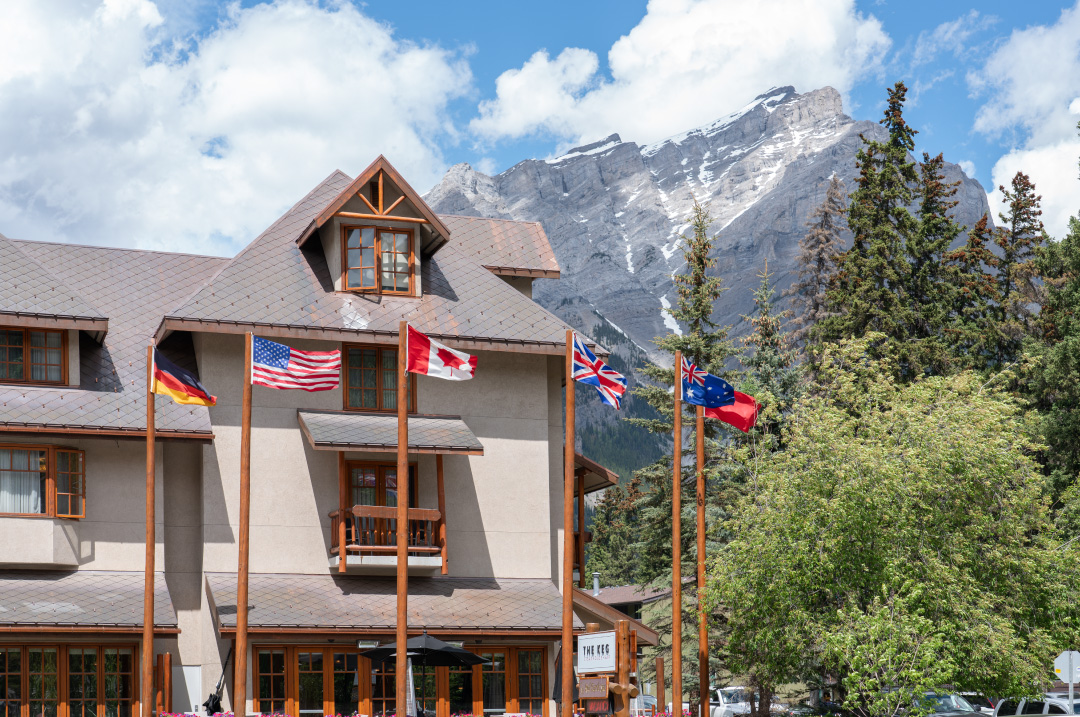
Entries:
{"x":1032,"y":82}
{"x":686,"y":63}
{"x":949,"y":36}
{"x":110,"y":132}
{"x":968,"y":166}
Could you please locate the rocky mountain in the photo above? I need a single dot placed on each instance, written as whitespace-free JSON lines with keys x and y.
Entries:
{"x":616,"y":211}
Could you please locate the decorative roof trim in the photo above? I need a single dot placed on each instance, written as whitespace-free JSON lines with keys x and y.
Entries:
{"x":380,"y":164}
{"x":478,"y":343}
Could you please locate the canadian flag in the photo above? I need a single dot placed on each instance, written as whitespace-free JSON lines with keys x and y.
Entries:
{"x":432,"y":358}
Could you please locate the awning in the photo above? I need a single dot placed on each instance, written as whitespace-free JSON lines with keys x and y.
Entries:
{"x":81,"y":601}
{"x":352,"y":431}
{"x":283,"y":603}
{"x":596,"y":476}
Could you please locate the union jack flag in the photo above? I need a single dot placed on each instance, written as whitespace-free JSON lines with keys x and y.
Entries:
{"x":609,"y":383}
{"x":693,"y":372}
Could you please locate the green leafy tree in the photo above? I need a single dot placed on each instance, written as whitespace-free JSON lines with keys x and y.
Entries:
{"x":1019,"y":238}
{"x":909,"y":530}
{"x":819,"y":251}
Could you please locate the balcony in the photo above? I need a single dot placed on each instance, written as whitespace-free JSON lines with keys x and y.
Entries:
{"x":370,"y":534}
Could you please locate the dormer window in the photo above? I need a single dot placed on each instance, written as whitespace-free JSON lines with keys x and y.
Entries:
{"x":32,"y":355}
{"x":378,"y":259}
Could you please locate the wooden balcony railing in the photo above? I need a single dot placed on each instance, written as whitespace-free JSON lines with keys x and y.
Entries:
{"x":372,"y":530}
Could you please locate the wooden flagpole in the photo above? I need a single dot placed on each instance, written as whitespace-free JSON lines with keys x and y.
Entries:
{"x":676,"y":549}
{"x":703,"y":625}
{"x":240,"y":675}
{"x":401,"y":679}
{"x":151,"y":545}
{"x":568,"y":532}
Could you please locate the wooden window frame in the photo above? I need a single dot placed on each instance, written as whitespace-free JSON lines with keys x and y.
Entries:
{"x":51,"y":465}
{"x":380,"y":472}
{"x":26,"y":380}
{"x":379,"y":370}
{"x":377,"y":289}
{"x":63,"y":704}
{"x":366,"y":670}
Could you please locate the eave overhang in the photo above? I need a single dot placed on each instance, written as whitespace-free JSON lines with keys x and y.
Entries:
{"x":321,"y":333}
{"x":377,"y":432}
{"x":102,"y":432}
{"x":530,"y":273}
{"x":96,"y":326}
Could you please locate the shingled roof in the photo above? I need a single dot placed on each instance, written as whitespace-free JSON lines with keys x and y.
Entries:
{"x":134,"y":289}
{"x":369,"y":604}
{"x":503,"y":246}
{"x":82,"y":599}
{"x":463,"y":303}
{"x":27,"y":289}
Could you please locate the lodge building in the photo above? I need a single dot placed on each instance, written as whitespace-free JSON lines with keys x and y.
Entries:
{"x":339,"y":269}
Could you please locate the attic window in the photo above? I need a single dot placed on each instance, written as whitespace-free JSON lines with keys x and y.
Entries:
{"x":378,"y":260}
{"x":32,"y":356}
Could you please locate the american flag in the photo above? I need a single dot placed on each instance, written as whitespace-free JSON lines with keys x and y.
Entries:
{"x":588,"y":369}
{"x":277,"y":366}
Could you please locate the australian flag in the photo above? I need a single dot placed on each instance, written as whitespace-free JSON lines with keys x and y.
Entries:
{"x":610,"y":384}
{"x":701,"y":388}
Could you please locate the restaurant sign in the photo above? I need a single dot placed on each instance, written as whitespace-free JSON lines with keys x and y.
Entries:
{"x":592,"y":688}
{"x":596,"y":652}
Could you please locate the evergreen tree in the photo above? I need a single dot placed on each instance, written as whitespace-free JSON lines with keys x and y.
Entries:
{"x":927,"y":292}
{"x":974,"y":300}
{"x":868,"y":291}
{"x":707,"y":345}
{"x":769,"y":359}
{"x":819,"y":251}
{"x":1019,"y":237}
{"x":614,"y":534}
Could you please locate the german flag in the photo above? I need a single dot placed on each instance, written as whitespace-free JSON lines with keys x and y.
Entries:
{"x":179,"y":385}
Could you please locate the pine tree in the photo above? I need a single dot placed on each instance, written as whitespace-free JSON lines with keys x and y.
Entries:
{"x":614,"y":534}
{"x":1019,"y":237}
{"x":708,"y":346}
{"x":869,"y":285}
{"x":974,"y":300}
{"x":819,"y":251}
{"x":769,"y":360}
{"x":927,"y":292}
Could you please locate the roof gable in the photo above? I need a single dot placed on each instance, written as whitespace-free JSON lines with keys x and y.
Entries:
{"x":387,"y":178}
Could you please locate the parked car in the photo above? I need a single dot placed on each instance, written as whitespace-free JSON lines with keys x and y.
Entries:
{"x":642,"y":706}
{"x":1052,"y":703}
{"x":981,"y":703}
{"x":948,"y":703}
{"x":731,"y":701}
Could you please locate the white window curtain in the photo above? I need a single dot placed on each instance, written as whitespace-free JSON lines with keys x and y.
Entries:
{"x":21,"y":481}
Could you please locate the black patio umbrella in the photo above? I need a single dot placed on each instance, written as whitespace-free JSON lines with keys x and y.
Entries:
{"x":425,"y":650}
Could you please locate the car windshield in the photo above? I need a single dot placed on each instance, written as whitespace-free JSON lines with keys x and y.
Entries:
{"x":947,"y":703}
{"x":978,"y":701}
{"x":732,"y":696}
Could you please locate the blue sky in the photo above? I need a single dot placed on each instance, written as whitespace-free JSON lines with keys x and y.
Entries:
{"x":191,"y":124}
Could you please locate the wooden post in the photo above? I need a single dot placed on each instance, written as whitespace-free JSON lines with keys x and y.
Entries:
{"x":581,"y":530}
{"x":568,"y":540}
{"x":343,"y":510}
{"x":240,"y":674}
{"x":661,"y":699}
{"x":676,"y":548}
{"x":151,"y":545}
{"x":703,"y":623}
{"x":625,"y":691}
{"x":591,"y":627}
{"x":442,"y":509}
{"x":401,"y":680}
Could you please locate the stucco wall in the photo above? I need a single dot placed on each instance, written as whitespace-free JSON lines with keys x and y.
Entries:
{"x":498,"y":505}
{"x":112,"y":536}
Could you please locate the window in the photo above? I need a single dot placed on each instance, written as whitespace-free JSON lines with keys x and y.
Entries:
{"x":371,"y":379}
{"x":74,"y":681}
{"x":42,"y":480}
{"x":1033,"y":708}
{"x":379,"y":260}
{"x":337,"y":680}
{"x":33,"y":356}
